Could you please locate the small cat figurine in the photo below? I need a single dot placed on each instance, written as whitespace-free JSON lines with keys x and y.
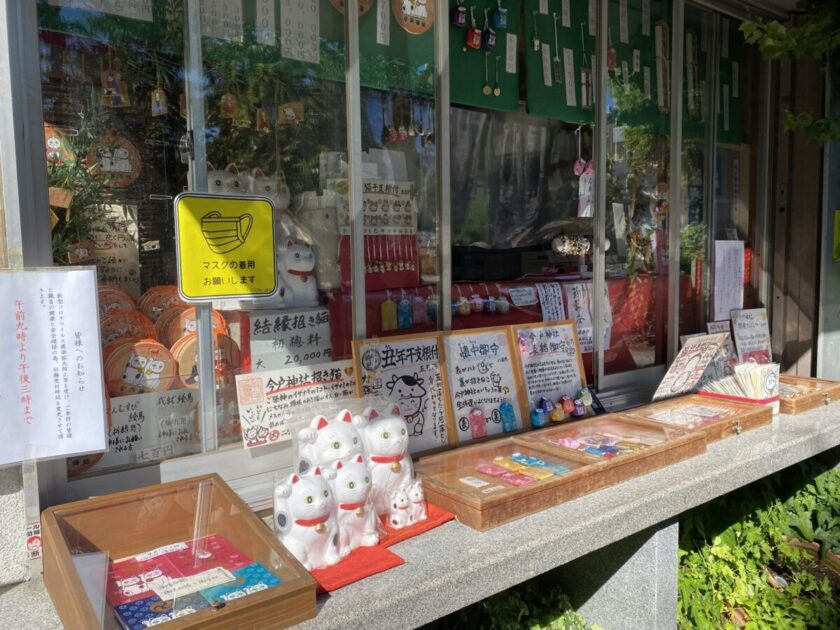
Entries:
{"x":226,"y":182}
{"x":399,"y":509}
{"x":305,"y":520}
{"x":418,"y":511}
{"x":296,"y":263}
{"x":386,"y":444}
{"x":323,"y":443}
{"x":272,"y":186}
{"x":356,"y":519}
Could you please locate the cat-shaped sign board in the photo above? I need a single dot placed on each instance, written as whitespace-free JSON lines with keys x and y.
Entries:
{"x":305,"y":520}
{"x":386,"y":446}
{"x":326,"y":442}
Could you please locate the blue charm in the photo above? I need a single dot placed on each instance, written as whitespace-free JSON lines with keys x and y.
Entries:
{"x":500,"y":16}
{"x":508,"y":417}
{"x":538,"y":418}
{"x":405,"y":314}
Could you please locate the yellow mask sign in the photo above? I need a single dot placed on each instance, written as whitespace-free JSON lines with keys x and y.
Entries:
{"x":225,"y":247}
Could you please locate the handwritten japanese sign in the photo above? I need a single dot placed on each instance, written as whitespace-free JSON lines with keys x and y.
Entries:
{"x":579,"y":309}
{"x":225,"y":247}
{"x":483,"y":389}
{"x":690,"y":367}
{"x":268,"y":401}
{"x":550,"y":360}
{"x":116,"y":249}
{"x":752,"y":335}
{"x":151,"y":427}
{"x":282,"y":339}
{"x":729,"y":278}
{"x":551,"y":301}
{"x":407,"y":370}
{"x":52,"y":391}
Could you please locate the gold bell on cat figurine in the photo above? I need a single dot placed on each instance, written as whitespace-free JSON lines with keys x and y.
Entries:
{"x":320,"y":528}
{"x":360,"y":512}
{"x":396,"y":467}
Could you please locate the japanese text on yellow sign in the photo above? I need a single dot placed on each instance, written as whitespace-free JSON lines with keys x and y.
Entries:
{"x":225,"y":247}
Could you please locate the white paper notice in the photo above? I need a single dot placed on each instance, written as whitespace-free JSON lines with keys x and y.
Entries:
{"x":724,"y":39}
{"x":268,"y":401}
{"x":409,"y":373}
{"x":550,"y":362}
{"x":752,"y":335}
{"x":180,"y":587}
{"x":586,"y":195}
{"x":52,"y":392}
{"x":567,"y":14}
{"x":579,"y":309}
{"x":221,"y":19}
{"x":623,"y":31}
{"x":383,"y":22}
{"x":544,"y":7}
{"x":637,"y":61}
{"x":569,"y":76}
{"x":134,"y":9}
{"x":510,"y":53}
{"x":551,"y":301}
{"x":289,"y":338}
{"x":647,"y":82}
{"x":546,"y":64}
{"x":266,"y":32}
{"x":718,"y":327}
{"x":726,"y":108}
{"x":593,"y":20}
{"x":523,"y":296}
{"x":300,"y":30}
{"x":729,"y":278}
{"x":735,"y":79}
{"x":646,"y":18}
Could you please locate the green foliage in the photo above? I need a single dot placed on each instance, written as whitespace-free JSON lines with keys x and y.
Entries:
{"x":692,"y":244}
{"x":817,"y":36}
{"x":737,"y":566}
{"x":536,"y":605}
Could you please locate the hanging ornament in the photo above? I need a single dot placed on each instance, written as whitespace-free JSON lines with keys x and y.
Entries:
{"x":500,"y":15}
{"x":117,"y":159}
{"x":228,"y":106}
{"x":497,"y":89}
{"x":114,"y":90}
{"x":364,"y":6}
{"x":612,"y":58}
{"x":488,"y":35}
{"x":159,"y":102}
{"x":262,"y":121}
{"x":558,"y":64}
{"x":486,"y":89}
{"x":289,"y":113}
{"x":473,"y":38}
{"x":57,"y":146}
{"x":415,"y":16}
{"x":402,"y":132}
{"x":535,"y":39}
{"x":459,"y":15}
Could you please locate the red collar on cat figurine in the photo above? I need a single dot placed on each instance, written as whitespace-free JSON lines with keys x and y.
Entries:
{"x":304,"y":274}
{"x":383,"y":459}
{"x":317,"y":523}
{"x":352,"y":506}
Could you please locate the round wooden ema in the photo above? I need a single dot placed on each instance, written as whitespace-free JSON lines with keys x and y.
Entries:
{"x":364,"y":6}
{"x":117,"y":159}
{"x":139,"y":367}
{"x":83,"y":463}
{"x":186,"y":323}
{"x":166,"y":318}
{"x":108,"y":349}
{"x":157,"y":299}
{"x":125,"y":325}
{"x":415,"y":16}
{"x":113,"y":298}
{"x":185,"y":352}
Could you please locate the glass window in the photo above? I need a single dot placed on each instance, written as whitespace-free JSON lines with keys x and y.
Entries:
{"x":113,"y":99}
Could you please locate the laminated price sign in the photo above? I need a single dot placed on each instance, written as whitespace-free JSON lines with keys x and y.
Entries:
{"x":225,"y":247}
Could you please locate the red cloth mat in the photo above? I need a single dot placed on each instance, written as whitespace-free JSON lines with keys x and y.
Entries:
{"x":361,"y":563}
{"x":366,"y":561}
{"x":437,"y":516}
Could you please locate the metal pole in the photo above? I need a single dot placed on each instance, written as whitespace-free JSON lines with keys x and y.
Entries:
{"x":763,"y":245}
{"x":442,"y":157}
{"x":198,"y":182}
{"x":710,"y":167}
{"x":600,"y":155}
{"x":353,"y":102}
{"x":675,"y":183}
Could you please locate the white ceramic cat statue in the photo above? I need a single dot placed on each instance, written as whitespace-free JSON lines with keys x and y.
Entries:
{"x":385,"y":438}
{"x":305,"y":520}
{"x":272,"y":186}
{"x":419,"y":511}
{"x":317,"y":215}
{"x":356,"y":518}
{"x":296,"y":262}
{"x":399,"y":510}
{"x":226,"y":182}
{"x":325,"y":442}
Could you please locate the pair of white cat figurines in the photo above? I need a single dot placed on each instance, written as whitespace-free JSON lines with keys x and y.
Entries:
{"x":231,"y":182}
{"x":351,"y":470}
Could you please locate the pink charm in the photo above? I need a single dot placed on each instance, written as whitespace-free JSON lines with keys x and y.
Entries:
{"x":478,"y":423}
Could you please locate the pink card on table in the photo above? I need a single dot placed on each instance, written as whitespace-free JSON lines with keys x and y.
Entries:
{"x":490,"y":469}
{"x":516,"y":479}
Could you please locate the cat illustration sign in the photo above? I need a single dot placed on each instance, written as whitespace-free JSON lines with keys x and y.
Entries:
{"x":225,"y":247}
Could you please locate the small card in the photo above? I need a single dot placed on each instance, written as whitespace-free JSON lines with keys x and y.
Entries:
{"x":510,"y":53}
{"x":247,"y":581}
{"x":130,"y":580}
{"x":475,"y":482}
{"x":546,"y":65}
{"x":180,"y":587}
{"x":152,"y":611}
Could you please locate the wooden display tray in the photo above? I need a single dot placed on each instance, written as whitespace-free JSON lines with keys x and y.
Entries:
{"x":443,"y":474}
{"x":129,"y":523}
{"x":737,"y":417}
{"x":823,"y":392}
